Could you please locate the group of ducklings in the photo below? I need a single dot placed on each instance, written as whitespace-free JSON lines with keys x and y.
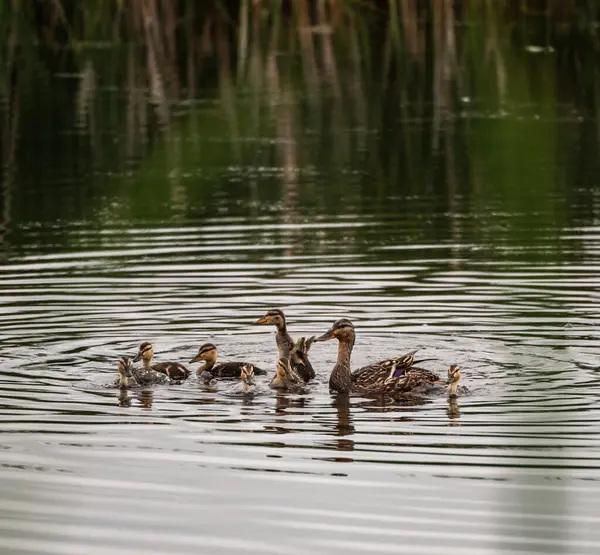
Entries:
{"x":393,"y":377}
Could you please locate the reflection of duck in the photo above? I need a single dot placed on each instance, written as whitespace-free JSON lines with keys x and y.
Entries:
{"x":285,"y":378}
{"x":124,"y":397}
{"x":391,"y":377}
{"x":298,"y":353}
{"x":343,"y":425}
{"x":453,"y":411}
{"x":173,"y":370}
{"x":208,"y":354}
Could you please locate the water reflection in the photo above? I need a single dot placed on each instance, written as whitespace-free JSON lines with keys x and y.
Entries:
{"x":453,"y":411}
{"x":343,"y":426}
{"x":436,"y":213}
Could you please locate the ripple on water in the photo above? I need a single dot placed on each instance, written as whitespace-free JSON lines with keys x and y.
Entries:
{"x":87,"y":468}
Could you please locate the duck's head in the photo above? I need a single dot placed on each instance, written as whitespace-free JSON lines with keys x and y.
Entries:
{"x":207,"y":352}
{"x":274,"y":317}
{"x":453,"y":374}
{"x":125,"y":367}
{"x":145,"y":352}
{"x":247,"y":374}
{"x":342,"y":329}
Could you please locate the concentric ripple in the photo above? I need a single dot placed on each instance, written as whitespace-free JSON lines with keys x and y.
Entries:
{"x":86,"y":468}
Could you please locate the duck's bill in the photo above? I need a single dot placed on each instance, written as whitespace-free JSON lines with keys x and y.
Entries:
{"x":326,"y":336}
{"x":262,"y":320}
{"x":195,"y":359}
{"x":137,"y":357}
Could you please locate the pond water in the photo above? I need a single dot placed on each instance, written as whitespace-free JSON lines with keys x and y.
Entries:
{"x":485,"y":253}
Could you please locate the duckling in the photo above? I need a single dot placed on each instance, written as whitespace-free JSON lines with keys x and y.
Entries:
{"x":246,"y":385}
{"x":126,"y":377}
{"x":453,"y":378}
{"x":173,"y":370}
{"x":285,"y":344}
{"x":208,"y":353}
{"x":390,"y":376}
{"x":285,"y":378}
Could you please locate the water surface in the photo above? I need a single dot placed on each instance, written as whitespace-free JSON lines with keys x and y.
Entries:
{"x":489,"y":261}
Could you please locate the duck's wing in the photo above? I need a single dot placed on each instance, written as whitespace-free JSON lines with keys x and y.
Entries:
{"x":299,"y":359}
{"x":425,"y":375}
{"x":369,"y":376}
{"x":173,"y":370}
{"x":149,"y":377}
{"x":414,"y":378}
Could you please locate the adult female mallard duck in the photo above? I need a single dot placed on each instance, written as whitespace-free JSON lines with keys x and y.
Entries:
{"x":386,"y":377}
{"x":208,"y":353}
{"x":285,"y":378}
{"x":173,"y":370}
{"x":297,"y":353}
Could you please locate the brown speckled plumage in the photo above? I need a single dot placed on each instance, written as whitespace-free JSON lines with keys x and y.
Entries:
{"x":394,"y":376}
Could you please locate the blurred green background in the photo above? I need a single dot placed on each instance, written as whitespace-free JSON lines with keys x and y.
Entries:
{"x":115,"y":110}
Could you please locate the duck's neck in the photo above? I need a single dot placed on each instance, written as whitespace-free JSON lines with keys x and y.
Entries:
{"x":147,"y":363}
{"x":207,"y":366}
{"x":341,"y":378}
{"x":284,"y":341}
{"x":127,"y":381}
{"x":452,"y":389}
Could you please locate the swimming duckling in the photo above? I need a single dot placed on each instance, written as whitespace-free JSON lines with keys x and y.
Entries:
{"x":298,"y":353}
{"x":246,"y":385}
{"x":208,"y":353}
{"x":173,"y":370}
{"x":285,"y":378}
{"x":453,"y":378}
{"x":126,"y":377}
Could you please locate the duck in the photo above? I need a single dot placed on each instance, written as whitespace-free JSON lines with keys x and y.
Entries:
{"x":454,"y":389}
{"x":296,"y":353}
{"x":392,"y":376}
{"x":208,"y":353}
{"x":129,"y":376}
{"x":286,"y":379}
{"x":173,"y":370}
{"x":126,"y":378}
{"x":246,"y":385}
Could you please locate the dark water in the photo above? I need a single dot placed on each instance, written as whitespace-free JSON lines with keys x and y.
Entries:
{"x":485,"y":253}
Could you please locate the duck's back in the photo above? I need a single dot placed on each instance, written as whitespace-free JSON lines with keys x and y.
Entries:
{"x":232,"y":369}
{"x":173,"y":370}
{"x":378,"y":372}
{"x":149,"y":377}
